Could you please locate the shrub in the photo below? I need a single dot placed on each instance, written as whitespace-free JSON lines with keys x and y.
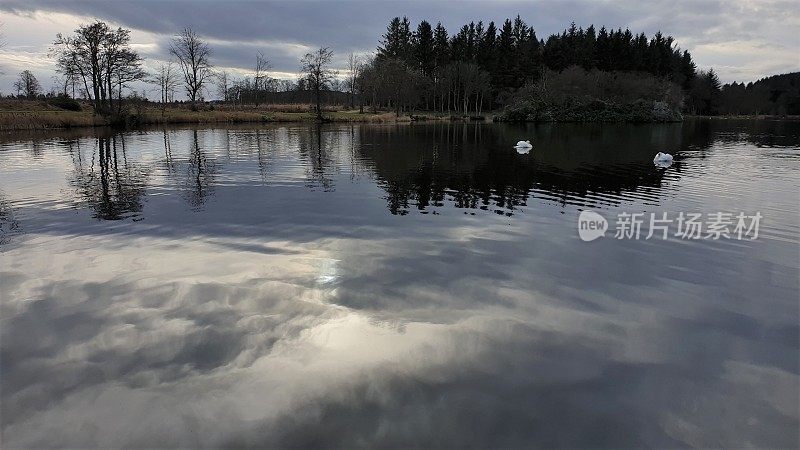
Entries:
{"x":577,"y":95}
{"x":64,"y":102}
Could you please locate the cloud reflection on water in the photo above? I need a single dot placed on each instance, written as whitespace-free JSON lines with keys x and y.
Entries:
{"x":320,"y":319}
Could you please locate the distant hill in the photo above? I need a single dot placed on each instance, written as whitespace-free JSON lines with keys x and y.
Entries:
{"x":775,"y":95}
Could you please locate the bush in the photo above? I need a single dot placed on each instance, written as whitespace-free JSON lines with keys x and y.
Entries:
{"x":64,"y":102}
{"x":576,"y":95}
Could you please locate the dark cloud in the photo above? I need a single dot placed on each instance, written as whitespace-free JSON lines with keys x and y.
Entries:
{"x":357,"y":25}
{"x":742,"y":41}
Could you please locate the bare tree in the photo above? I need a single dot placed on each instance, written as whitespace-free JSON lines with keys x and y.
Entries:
{"x":193,"y":57}
{"x":101,"y":58}
{"x":318,"y":74}
{"x":353,"y":69}
{"x":223,"y":85}
{"x":261,"y":79}
{"x":167,"y":80}
{"x":367,"y":83}
{"x":81,"y":54}
{"x":285,"y":85}
{"x":66,"y":82}
{"x":27,"y":84}
{"x":122,"y":65}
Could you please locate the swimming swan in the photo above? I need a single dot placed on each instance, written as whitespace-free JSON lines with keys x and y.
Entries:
{"x":662,"y":157}
{"x":524,"y":144}
{"x":523,"y":147}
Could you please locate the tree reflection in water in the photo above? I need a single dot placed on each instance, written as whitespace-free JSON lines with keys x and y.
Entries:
{"x":8,"y":221}
{"x":469,"y":166}
{"x":114,"y":189}
{"x":200,"y":174}
{"x":472,"y":166}
{"x":316,"y":153}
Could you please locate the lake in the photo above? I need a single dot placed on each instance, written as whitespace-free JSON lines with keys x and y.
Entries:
{"x":414,"y":285}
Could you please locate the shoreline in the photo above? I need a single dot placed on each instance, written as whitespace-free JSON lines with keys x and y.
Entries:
{"x":45,"y":119}
{"x":54,"y":119}
{"x":37,"y":120}
{"x":745,"y":117}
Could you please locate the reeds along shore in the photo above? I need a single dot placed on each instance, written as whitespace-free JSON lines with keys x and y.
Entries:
{"x":35,"y":117}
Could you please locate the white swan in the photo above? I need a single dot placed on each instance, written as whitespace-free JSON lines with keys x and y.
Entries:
{"x":523,"y":147}
{"x":662,"y":159}
{"x":524,"y":144}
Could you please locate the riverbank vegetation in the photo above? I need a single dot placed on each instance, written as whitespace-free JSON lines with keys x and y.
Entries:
{"x":40,"y":114}
{"x":579,"y":95}
{"x":482,"y":71}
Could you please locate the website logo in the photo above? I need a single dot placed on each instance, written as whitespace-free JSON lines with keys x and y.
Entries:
{"x":591,"y":225}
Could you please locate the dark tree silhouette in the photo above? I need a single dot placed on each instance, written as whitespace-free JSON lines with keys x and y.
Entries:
{"x":318,"y":74}
{"x":27,"y":85}
{"x":512,"y":56}
{"x":193,"y":56}
{"x":102,"y":59}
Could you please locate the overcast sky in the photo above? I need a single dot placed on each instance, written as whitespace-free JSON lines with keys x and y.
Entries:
{"x":742,"y":40}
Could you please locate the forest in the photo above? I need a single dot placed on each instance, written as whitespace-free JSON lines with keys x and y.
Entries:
{"x":578,"y":75}
{"x":482,"y":66}
{"x":776,"y":95}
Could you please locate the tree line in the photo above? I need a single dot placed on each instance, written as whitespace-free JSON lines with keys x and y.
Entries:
{"x":775,"y":95}
{"x":480,"y":67}
{"x":99,"y":63}
{"x":484,"y":66}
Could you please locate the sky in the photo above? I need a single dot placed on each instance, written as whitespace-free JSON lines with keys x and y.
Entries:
{"x":743,"y":40}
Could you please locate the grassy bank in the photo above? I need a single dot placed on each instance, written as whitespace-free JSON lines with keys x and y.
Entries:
{"x":16,"y":114}
{"x":48,"y":119}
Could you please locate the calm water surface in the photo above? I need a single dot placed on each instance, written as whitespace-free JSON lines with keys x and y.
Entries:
{"x":413,"y":285}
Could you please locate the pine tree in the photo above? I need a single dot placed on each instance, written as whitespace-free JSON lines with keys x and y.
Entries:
{"x":602,"y":50}
{"x":503,"y":75}
{"x":441,"y":46}
{"x":486,"y":52}
{"x":424,"y":49}
{"x":687,"y":70}
{"x":459,"y":45}
{"x":396,"y":43}
{"x":586,"y":57}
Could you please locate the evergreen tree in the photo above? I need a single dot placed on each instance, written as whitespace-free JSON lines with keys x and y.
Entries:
{"x":705,"y":93}
{"x":424,"y":49}
{"x":687,"y":70}
{"x":396,"y":43}
{"x":586,"y":56}
{"x":486,"y":51}
{"x":602,"y":50}
{"x":503,"y":75}
{"x":441,"y":46}
{"x":459,"y":45}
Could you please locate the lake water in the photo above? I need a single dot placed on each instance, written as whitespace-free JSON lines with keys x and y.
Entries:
{"x":398,"y":285}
